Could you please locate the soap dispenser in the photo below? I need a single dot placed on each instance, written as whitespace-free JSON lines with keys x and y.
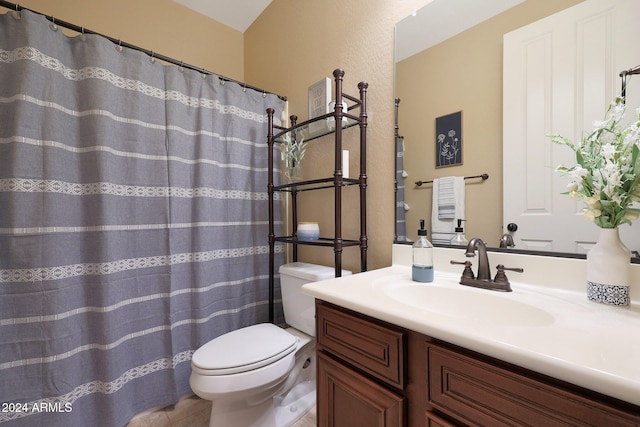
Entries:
{"x":459,"y":239}
{"x":422,"y":257}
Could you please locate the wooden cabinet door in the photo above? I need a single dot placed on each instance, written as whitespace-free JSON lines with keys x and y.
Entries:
{"x":433,"y":420}
{"x":348,"y":399}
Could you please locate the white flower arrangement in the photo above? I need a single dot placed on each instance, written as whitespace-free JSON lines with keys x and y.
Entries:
{"x":292,"y":154}
{"x":607,"y":173}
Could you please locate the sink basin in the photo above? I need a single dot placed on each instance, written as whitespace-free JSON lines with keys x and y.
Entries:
{"x":448,"y":298}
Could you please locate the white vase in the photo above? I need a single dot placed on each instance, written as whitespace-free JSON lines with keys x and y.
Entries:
{"x":608,"y":271}
{"x":308,"y":231}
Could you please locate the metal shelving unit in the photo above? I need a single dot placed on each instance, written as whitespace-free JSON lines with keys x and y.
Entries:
{"x":336,"y":183}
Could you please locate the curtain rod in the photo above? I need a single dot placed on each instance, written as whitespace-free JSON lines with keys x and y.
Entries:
{"x":484,"y":177}
{"x":78,"y":29}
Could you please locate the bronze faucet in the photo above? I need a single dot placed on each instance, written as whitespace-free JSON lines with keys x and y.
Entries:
{"x":484,"y":271}
{"x":483,"y":279}
{"x":506,"y":241}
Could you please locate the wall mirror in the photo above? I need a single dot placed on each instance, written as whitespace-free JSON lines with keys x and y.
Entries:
{"x":449,"y":58}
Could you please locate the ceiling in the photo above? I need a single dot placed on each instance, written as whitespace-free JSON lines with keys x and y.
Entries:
{"x":441,"y":19}
{"x":237,"y":14}
{"x":463,"y":14}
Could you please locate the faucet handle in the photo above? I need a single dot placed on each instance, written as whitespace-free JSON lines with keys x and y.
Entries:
{"x":501,"y":277}
{"x":468,"y":272}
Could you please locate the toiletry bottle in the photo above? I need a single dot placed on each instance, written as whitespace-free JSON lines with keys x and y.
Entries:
{"x":422,"y":261}
{"x":459,"y":239}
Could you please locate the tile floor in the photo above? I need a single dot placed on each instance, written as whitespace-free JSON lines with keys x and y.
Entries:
{"x":194,"y":412}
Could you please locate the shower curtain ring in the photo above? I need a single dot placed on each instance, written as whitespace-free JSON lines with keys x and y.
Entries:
{"x":152,"y":59}
{"x":53,"y":25}
{"x":244,"y":87}
{"x":119,"y":47}
{"x":83,"y":37}
{"x":16,"y":13}
{"x":181,"y":68}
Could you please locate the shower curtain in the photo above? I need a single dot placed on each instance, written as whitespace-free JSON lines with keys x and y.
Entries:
{"x":401,"y":223}
{"x":133,"y":224}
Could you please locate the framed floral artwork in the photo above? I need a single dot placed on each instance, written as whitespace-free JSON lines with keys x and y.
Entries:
{"x":449,"y":140}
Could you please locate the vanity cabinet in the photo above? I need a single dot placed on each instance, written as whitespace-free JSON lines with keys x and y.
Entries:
{"x":371,"y":373}
{"x":361,"y":371}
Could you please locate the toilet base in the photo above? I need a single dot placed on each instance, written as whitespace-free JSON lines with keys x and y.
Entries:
{"x":270,"y":413}
{"x":279,"y":404}
{"x":288,"y":414}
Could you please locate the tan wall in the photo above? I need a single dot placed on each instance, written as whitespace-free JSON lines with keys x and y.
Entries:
{"x":464,"y":74}
{"x":294,"y":44}
{"x":161,"y":26}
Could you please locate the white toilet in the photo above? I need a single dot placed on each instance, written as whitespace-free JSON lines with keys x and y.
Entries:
{"x":264,"y":375}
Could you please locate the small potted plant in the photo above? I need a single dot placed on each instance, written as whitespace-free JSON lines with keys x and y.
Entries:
{"x":292,"y":155}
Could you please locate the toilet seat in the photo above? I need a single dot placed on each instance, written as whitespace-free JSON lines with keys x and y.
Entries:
{"x":243,"y":350}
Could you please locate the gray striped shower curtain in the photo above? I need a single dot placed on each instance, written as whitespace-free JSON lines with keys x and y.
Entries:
{"x":133,"y":224}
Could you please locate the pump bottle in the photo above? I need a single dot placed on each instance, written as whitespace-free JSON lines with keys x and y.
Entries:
{"x":459,"y":239}
{"x":422,"y":257}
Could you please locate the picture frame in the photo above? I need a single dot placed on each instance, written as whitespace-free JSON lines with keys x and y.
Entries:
{"x":319,"y":99}
{"x":449,"y":140}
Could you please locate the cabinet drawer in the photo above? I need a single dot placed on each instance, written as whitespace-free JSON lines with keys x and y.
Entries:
{"x":376,"y":349}
{"x":478,"y":393}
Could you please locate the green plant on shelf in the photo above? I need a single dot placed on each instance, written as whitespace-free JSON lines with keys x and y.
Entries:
{"x":292,"y":155}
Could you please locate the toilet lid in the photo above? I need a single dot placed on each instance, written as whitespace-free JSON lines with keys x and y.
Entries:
{"x":244,"y":349}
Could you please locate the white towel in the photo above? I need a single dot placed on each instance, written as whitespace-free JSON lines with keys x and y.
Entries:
{"x":448,"y":199}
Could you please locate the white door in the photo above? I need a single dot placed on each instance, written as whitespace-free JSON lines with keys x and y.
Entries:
{"x":559,"y":76}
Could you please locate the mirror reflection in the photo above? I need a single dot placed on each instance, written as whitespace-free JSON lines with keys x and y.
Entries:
{"x":464,"y":73}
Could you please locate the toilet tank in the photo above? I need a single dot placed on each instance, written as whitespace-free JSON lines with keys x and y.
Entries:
{"x":299,"y":308}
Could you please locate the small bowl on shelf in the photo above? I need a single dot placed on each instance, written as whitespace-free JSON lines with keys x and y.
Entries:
{"x":308,"y":231}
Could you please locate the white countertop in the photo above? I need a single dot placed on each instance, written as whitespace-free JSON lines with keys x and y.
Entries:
{"x":550,"y":330}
